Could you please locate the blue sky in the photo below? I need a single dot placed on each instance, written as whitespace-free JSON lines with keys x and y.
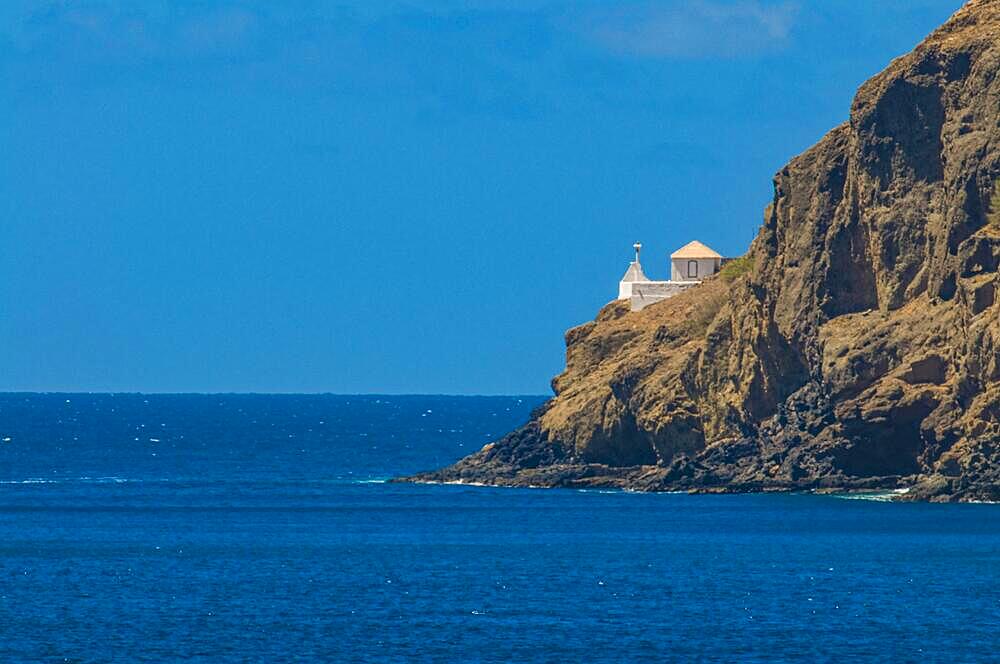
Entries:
{"x":385,"y":197}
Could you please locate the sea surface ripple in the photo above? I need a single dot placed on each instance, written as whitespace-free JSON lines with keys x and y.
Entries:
{"x":261,"y":528}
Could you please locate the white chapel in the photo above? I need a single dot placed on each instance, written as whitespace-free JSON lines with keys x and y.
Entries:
{"x":693,"y":262}
{"x":688,"y":266}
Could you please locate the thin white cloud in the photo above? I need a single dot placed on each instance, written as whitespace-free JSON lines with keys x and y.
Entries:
{"x":105,"y":31}
{"x":692,"y":29}
{"x":217,"y":31}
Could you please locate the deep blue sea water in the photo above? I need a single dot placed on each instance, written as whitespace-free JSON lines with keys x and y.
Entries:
{"x":257,"y":528}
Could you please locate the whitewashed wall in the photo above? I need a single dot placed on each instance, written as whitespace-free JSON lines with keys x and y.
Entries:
{"x":706,"y":268}
{"x":645,"y":293}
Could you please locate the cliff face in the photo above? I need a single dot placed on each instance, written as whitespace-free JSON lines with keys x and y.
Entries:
{"x":860,"y":350}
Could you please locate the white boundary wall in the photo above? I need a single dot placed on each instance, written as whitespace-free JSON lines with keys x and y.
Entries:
{"x":644,"y":293}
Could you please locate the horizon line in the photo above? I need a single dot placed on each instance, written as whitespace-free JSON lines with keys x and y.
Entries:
{"x":271,"y":394}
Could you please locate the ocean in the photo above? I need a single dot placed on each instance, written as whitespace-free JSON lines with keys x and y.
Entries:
{"x":237,"y":528}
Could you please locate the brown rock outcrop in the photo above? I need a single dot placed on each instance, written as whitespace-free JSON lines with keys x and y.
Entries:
{"x":860,"y":351}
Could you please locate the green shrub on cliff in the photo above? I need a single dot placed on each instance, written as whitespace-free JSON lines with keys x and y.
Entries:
{"x":736,"y":268}
{"x":993,"y":212}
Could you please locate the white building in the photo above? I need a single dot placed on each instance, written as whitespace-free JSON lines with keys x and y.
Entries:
{"x":689,"y":265}
{"x":693,"y":262}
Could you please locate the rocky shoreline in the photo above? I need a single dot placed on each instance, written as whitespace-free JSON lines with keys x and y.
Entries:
{"x":525,"y":459}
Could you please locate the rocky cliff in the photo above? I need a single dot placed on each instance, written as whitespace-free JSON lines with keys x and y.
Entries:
{"x":857,"y":346}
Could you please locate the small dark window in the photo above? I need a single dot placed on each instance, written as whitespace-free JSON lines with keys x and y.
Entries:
{"x":692,"y":269}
